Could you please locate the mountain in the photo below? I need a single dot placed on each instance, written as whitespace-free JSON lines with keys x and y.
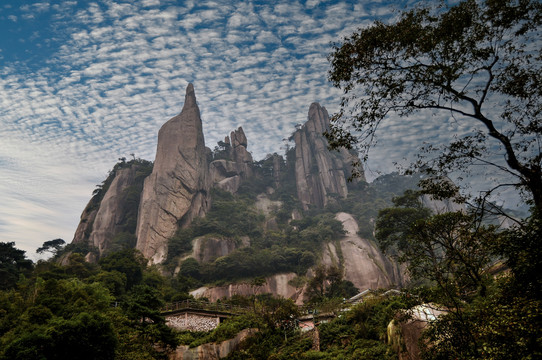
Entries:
{"x":219,"y":217}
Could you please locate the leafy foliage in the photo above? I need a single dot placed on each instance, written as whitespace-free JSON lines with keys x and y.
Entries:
{"x":452,"y":254}
{"x":294,"y":247}
{"x":478,"y":60}
{"x":85,"y":311}
{"x":13,"y":263}
{"x":128,"y":262}
{"x":51,"y":245}
{"x":357,"y":334}
{"x":328,"y":283}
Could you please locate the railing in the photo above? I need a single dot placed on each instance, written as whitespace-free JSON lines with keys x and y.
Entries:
{"x":203,"y":305}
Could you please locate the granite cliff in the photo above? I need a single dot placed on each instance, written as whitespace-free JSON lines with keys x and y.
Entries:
{"x":364,"y":264}
{"x":270,"y":199}
{"x":233,"y":164}
{"x":177,"y":190}
{"x":320,"y":174}
{"x":112,"y":211}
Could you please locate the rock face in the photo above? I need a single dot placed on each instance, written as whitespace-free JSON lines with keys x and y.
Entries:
{"x":212,"y":351}
{"x":441,"y":206}
{"x":320,"y":174}
{"x":239,"y":152}
{"x":116,"y":211}
{"x":236,"y":165}
{"x":404,"y":336}
{"x":111,"y":215}
{"x":365,"y":266}
{"x":177,"y":190}
{"x":208,"y":248}
{"x":84,"y":229}
{"x":276,"y":284}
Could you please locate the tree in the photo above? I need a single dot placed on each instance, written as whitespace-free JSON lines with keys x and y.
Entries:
{"x":488,"y":314}
{"x":129,"y":262}
{"x":13,"y":263}
{"x":393,"y":225}
{"x":478,"y":61}
{"x":143,"y":309}
{"x":53,"y":246}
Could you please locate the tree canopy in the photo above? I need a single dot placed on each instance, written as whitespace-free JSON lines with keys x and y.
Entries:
{"x":478,"y":62}
{"x":52,"y":245}
{"x":13,"y":263}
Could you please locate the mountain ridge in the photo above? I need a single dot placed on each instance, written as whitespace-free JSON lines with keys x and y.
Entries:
{"x":179,"y":190}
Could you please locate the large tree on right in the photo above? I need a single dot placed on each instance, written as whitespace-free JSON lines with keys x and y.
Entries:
{"x":478,"y":61}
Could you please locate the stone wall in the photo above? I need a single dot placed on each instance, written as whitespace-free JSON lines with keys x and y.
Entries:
{"x":192,"y":322}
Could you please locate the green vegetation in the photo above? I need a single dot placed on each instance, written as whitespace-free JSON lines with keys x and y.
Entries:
{"x":359,"y":333}
{"x":294,"y":246}
{"x":82,"y":310}
{"x":13,"y":264}
{"x":478,"y":61}
{"x":452,"y":257}
{"x":451,"y":59}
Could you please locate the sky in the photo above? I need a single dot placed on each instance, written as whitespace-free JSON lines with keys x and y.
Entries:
{"x":84,"y":83}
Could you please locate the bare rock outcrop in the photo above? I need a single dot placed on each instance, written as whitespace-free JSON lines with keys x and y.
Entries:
{"x":364,"y":264}
{"x":208,"y":248}
{"x":211,"y":351}
{"x":320,"y":173}
{"x":240,"y":154}
{"x":279,"y":285}
{"x":113,"y":209}
{"x":84,"y":229}
{"x":177,"y":190}
{"x":404,"y":336}
{"x":278,"y":162}
{"x":228,"y":172}
{"x":111,"y":216}
{"x":441,"y":206}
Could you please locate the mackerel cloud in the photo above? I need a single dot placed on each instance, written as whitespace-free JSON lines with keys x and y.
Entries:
{"x":112,"y":72}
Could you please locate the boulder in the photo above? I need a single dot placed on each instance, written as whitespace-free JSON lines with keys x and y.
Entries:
{"x":211,"y":351}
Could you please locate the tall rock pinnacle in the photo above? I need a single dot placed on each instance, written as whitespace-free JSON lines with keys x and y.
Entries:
{"x":319,"y":173}
{"x":177,"y":190}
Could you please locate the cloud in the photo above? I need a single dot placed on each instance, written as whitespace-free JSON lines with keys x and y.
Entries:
{"x":120,"y":73}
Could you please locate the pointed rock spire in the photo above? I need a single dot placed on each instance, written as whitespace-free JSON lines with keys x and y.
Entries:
{"x":190,"y":97}
{"x":319,"y":172}
{"x":177,"y":190}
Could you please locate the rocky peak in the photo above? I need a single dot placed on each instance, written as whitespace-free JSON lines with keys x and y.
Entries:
{"x":320,"y":174}
{"x":238,"y":138}
{"x":177,"y":190}
{"x":111,"y":215}
{"x":227,"y":173}
{"x":239,"y":147}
